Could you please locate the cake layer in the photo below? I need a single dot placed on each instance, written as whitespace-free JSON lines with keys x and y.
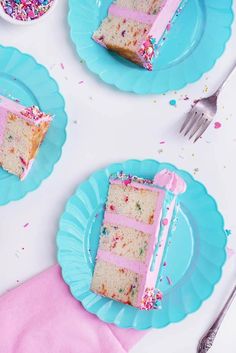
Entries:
{"x":123,"y":241}
{"x":116,"y":282}
{"x":122,"y":36}
{"x":22,"y":131}
{"x":136,"y":203}
{"x":20,"y":143}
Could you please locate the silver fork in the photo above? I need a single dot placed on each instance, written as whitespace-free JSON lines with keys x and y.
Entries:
{"x":207,"y":340}
{"x":202,"y":113}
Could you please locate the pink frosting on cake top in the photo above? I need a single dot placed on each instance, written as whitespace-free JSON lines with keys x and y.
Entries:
{"x":31,"y":114}
{"x":163,"y":18}
{"x":11,"y":105}
{"x":170,"y":181}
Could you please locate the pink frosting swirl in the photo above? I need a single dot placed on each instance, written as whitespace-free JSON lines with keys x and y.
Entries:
{"x":170,"y":181}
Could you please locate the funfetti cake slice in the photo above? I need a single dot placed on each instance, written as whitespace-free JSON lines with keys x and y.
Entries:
{"x":136,"y":29}
{"x":133,"y":238}
{"x":22,"y":130}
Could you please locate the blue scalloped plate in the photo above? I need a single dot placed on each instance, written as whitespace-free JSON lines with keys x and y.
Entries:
{"x":21,"y":77}
{"x":194,"y":259}
{"x":196,"y":41}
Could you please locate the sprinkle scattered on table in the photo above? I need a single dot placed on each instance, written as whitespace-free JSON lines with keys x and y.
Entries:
{"x":26,"y":225}
{"x":228,"y":232}
{"x":217,"y":125}
{"x":62,"y":66}
{"x":169,"y":280}
{"x":162,"y":142}
{"x":80,"y":82}
{"x":173,"y":102}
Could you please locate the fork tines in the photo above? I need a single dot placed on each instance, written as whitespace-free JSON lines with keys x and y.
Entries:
{"x":195,"y":124}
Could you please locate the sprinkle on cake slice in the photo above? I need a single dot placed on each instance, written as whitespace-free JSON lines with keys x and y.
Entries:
{"x":136,"y":29}
{"x":22,"y":131}
{"x":133,"y":237}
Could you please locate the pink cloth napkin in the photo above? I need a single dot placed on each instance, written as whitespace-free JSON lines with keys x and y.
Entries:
{"x":41,"y":316}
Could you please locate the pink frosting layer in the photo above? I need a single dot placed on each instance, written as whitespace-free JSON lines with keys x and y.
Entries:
{"x":170,"y":181}
{"x":114,"y":218}
{"x":8,"y":105}
{"x":138,"y":16}
{"x":132,"y":265}
{"x":11,"y":105}
{"x":163,"y":17}
{"x":150,"y":280}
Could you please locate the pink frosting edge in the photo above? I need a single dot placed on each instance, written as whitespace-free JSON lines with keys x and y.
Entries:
{"x":16,"y":108}
{"x":132,"y":265}
{"x":150,"y":280}
{"x":170,"y":181}
{"x":163,"y":18}
{"x":115,"y":10}
{"x":114,"y":218}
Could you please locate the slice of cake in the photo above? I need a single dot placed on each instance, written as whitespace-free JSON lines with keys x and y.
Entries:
{"x":22,"y":130}
{"x":136,"y":29}
{"x":133,"y":238}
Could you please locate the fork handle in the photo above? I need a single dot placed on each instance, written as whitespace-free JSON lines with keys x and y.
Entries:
{"x":207,"y":340}
{"x":225,"y":80}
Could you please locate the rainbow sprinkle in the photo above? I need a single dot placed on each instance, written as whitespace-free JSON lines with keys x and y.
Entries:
{"x":34,"y":113}
{"x":148,"y":52}
{"x":26,"y":10}
{"x":151,"y":299}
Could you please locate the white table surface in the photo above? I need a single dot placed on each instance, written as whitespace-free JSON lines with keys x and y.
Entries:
{"x":114,"y":126}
